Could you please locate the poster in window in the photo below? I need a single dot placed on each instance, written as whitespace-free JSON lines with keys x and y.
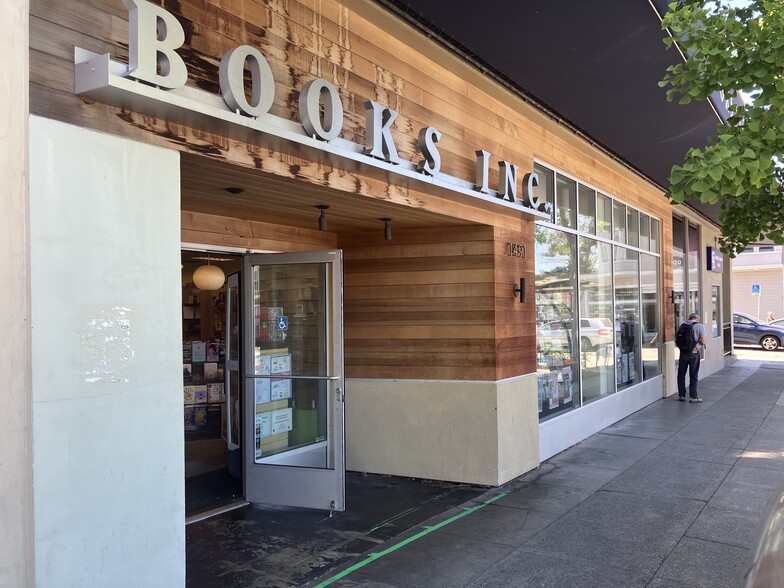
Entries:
{"x":280,"y":389}
{"x":200,"y":394}
{"x":262,"y":390}
{"x":567,"y":384}
{"x":554,"y":398}
{"x":199,"y":351}
{"x":200,"y":416}
{"x":186,"y":373}
{"x":188,"y":394}
{"x":214,"y":393}
{"x":280,"y":420}
{"x":281,"y":364}
{"x":263,"y":364}
{"x":213,"y":351}
{"x":210,"y":372}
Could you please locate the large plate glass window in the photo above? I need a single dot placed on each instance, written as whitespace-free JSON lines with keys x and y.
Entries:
{"x":604,"y":216}
{"x":597,"y":347}
{"x":556,"y":341}
{"x":586,"y":215}
{"x":619,"y":222}
{"x":565,"y":201}
{"x":627,"y":317}
{"x":649,"y":290}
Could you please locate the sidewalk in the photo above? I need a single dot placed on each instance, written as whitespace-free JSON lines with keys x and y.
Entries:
{"x":671,"y":496}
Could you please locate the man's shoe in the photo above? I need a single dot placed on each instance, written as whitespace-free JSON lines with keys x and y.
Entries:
{"x":695,"y":400}
{"x":681,"y":398}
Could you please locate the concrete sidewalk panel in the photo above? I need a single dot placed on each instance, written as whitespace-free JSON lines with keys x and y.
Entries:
{"x":573,"y":475}
{"x":722,"y":525}
{"x":748,"y":489}
{"x":712,"y":436}
{"x":705,"y":564}
{"x":685,"y":450}
{"x":622,"y":530}
{"x":499,"y":524}
{"x":607,"y":451}
{"x":436,"y":560}
{"x":545,"y":498}
{"x":531,"y":568}
{"x":666,"y":475}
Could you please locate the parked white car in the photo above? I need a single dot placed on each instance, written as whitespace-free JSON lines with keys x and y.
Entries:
{"x":595,"y":333}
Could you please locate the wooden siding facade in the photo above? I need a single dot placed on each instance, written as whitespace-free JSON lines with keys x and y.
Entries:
{"x":432,"y":303}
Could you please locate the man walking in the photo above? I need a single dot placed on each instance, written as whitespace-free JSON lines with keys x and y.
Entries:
{"x":689,"y":338}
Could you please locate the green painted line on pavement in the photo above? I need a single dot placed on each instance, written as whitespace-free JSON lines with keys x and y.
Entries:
{"x":371,"y":557}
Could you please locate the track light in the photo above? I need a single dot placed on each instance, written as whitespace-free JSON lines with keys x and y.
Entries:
{"x":387,"y":229}
{"x":322,"y":217}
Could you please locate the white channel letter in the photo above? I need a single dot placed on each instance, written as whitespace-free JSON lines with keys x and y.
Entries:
{"x":482,"y":170}
{"x":378,"y":134}
{"x":232,"y":81}
{"x":310,"y":109}
{"x":507,"y":180}
{"x":530,"y":181}
{"x":154,"y":36}
{"x":431,"y":164}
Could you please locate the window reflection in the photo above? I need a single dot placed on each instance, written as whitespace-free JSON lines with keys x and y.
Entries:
{"x":597,"y":352}
{"x":627,"y":318}
{"x":556,"y":279}
{"x":649,"y":288}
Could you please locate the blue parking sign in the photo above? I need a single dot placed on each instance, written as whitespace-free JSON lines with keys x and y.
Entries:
{"x":283,"y":323}
{"x":756,"y":289}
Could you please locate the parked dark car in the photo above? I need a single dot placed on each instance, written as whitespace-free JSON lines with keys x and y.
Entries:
{"x":749,"y":330}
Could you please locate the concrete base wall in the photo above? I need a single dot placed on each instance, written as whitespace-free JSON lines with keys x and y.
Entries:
{"x":473,"y":432}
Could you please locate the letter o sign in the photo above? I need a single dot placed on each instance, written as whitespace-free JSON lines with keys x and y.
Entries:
{"x":310,"y":109}
{"x":232,"y":81}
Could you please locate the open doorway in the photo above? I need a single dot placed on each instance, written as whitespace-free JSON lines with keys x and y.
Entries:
{"x":210,"y":357}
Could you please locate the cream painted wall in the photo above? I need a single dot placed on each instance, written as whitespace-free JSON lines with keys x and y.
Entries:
{"x":107,"y":381}
{"x":457,"y":431}
{"x":16,"y":502}
{"x":518,"y":427}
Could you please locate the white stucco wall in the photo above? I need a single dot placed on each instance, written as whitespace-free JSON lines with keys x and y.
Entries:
{"x":107,"y":391}
{"x":16,"y":503}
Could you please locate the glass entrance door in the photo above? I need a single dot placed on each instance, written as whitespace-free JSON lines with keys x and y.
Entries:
{"x":293,"y":384}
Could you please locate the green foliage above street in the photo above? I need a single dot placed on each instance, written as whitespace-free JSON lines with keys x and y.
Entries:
{"x":733,"y":50}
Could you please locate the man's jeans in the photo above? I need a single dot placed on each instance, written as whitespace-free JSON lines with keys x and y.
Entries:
{"x":690,"y":361}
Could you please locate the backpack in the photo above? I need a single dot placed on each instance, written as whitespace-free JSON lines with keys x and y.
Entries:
{"x":685,"y":339}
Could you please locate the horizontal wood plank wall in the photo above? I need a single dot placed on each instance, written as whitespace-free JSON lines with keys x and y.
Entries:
{"x":515,"y":317}
{"x":304,"y":40}
{"x":223,"y":231}
{"x":421,"y":306}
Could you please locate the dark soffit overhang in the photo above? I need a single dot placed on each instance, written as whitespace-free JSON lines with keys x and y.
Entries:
{"x":596,"y":65}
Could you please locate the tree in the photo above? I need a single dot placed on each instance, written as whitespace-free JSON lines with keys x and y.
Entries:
{"x":733,"y":50}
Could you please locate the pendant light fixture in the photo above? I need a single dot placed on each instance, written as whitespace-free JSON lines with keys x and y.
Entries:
{"x":208,"y":277}
{"x":387,"y":228}
{"x":322,"y":217}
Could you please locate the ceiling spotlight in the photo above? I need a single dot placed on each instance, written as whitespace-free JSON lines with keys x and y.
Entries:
{"x":322,"y":217}
{"x":235,"y":190}
{"x":387,"y":228}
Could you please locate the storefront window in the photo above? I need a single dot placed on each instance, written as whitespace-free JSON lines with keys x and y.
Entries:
{"x":679,"y":270}
{"x":619,"y":222}
{"x":627,"y":317}
{"x":586,"y":214}
{"x":604,"y":216}
{"x":715,"y":305}
{"x":694,"y":270}
{"x":556,"y":341}
{"x":654,"y":236}
{"x":632,"y":226}
{"x":545,"y":191}
{"x":649,"y":289}
{"x":598,"y":315}
{"x":565,"y":201}
{"x":645,"y":232}
{"x":597,"y":346}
